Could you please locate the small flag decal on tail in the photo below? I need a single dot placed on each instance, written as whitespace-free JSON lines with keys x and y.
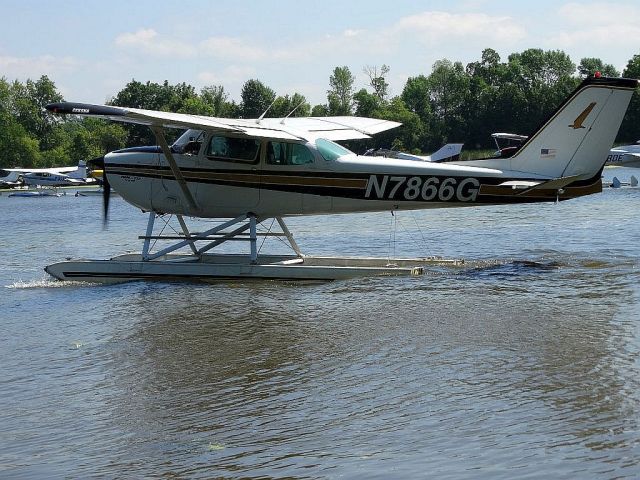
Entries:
{"x":548,"y":152}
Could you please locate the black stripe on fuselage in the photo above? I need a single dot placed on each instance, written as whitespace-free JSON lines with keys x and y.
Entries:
{"x":348,"y":184}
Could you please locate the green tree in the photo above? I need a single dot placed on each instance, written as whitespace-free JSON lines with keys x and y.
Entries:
{"x":410,"y":136}
{"x":294,"y":106}
{"x":215,"y":97}
{"x":28,"y":101}
{"x":256,"y":98}
{"x":589,"y":66}
{"x":367,"y":104}
{"x":489,"y":70}
{"x":416,"y":96}
{"x":320,"y":111}
{"x":630,"y":128}
{"x":154,"y":96}
{"x":18,"y":148}
{"x":93,"y":137}
{"x":29,"y":132}
{"x":81,"y":144}
{"x":545,"y":79}
{"x":448,"y":84}
{"x":340,"y":93}
{"x":378,"y":81}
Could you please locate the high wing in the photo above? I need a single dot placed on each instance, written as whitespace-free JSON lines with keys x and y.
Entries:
{"x":296,"y":128}
{"x":52,"y":170}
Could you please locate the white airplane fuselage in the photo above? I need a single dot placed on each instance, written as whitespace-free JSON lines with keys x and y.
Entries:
{"x":624,"y":156}
{"x":46,"y":179}
{"x":348,"y":183}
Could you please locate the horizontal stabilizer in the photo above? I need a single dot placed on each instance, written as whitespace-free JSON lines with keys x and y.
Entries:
{"x":516,"y":184}
{"x":553,"y":184}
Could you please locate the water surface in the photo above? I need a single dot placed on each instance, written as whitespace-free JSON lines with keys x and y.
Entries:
{"x":523,"y":362}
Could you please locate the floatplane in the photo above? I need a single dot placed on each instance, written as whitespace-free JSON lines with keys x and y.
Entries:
{"x":58,"y":176}
{"x":246,"y":171}
{"x":47,"y":178}
{"x":625,"y":156}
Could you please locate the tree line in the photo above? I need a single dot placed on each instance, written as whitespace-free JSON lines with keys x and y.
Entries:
{"x":454,"y":103}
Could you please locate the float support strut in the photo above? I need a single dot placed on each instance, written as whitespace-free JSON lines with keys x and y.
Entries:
{"x":147,"y":240}
{"x":253,"y":238}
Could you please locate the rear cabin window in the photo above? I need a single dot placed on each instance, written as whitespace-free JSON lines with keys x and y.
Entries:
{"x":283,"y":153}
{"x":233,"y":149}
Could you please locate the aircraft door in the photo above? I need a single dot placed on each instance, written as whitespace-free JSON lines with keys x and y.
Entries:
{"x":284,"y":177}
{"x":228,"y":175}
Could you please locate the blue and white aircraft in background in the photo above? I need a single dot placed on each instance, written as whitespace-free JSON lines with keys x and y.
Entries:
{"x":46,"y":177}
{"x":625,"y":156}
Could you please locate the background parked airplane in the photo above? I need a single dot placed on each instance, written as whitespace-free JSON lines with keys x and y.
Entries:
{"x":448,"y":153}
{"x":625,"y":156}
{"x":50,"y":177}
{"x":10,"y":178}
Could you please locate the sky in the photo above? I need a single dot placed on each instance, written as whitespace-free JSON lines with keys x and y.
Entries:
{"x":92,"y":49}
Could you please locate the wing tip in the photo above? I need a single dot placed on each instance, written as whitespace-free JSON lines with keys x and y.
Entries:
{"x":74,"y":108}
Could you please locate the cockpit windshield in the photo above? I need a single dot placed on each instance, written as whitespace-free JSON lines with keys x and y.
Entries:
{"x":331,"y":151}
{"x":189,"y":142}
{"x":190,"y":135}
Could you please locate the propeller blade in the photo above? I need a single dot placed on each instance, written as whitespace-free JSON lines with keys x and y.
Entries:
{"x":106,"y":194}
{"x":96,"y":163}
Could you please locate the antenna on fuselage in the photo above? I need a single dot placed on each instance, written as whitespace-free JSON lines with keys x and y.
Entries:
{"x":265,"y":112}
{"x":291,"y":112}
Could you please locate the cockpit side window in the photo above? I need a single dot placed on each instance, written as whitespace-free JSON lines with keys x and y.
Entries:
{"x":284,"y":153}
{"x":233,"y":149}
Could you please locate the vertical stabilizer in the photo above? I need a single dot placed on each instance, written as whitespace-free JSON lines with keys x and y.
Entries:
{"x":578,"y":135}
{"x":81,"y":172}
{"x":448,"y":153}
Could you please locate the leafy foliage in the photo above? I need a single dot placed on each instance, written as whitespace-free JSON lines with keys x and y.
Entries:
{"x":340,"y":95}
{"x":452,"y":103}
{"x":256,"y":99}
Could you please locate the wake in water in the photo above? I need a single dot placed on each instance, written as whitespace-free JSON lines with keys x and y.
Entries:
{"x":512,"y":267}
{"x":48,"y":283}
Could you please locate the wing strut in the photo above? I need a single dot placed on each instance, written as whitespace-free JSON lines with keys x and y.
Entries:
{"x":157,"y":131}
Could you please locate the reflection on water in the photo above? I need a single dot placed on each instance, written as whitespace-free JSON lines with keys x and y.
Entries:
{"x":521,"y":362}
{"x":275,"y":378}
